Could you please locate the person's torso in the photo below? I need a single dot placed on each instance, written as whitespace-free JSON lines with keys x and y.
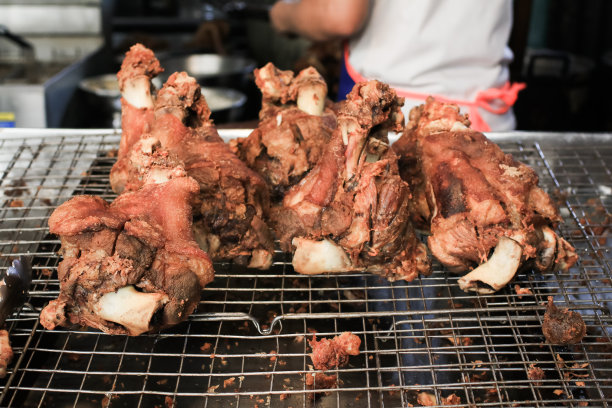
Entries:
{"x":445,"y":47}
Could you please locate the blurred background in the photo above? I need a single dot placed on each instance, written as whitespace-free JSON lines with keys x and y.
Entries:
{"x":58,"y":58}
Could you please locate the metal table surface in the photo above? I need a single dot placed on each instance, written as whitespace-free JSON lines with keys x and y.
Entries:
{"x":246,"y":345}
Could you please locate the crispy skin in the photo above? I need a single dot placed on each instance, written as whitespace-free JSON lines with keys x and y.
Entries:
{"x":143,"y":239}
{"x":137,"y":69}
{"x":327,"y":354}
{"x":468,"y":193}
{"x":288,"y":141}
{"x":562,"y":326}
{"x":354,"y":195}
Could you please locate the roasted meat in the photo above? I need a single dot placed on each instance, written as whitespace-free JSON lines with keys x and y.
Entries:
{"x":328,"y":354}
{"x":293,"y":130}
{"x":230,"y":207}
{"x":351,"y":211}
{"x":138,"y":68}
{"x":562,"y":326}
{"x":474,"y":199}
{"x":232,"y":199}
{"x":131,"y":266}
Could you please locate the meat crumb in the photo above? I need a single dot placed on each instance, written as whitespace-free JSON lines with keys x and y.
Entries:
{"x":229,"y":382}
{"x":16,"y":203}
{"x":580,"y":384}
{"x":522,"y":291}
{"x":169,"y":402}
{"x":451,"y":400}
{"x":273,"y":357}
{"x":205,"y":347}
{"x":213,"y":388}
{"x":334,"y":353}
{"x":562,"y":326}
{"x":558,"y":392}
{"x":320,"y":381}
{"x":536,"y":374}
{"x":283,"y":397}
{"x":426,"y":399}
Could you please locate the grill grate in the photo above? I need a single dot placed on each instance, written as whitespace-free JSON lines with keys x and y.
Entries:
{"x":253,"y":326}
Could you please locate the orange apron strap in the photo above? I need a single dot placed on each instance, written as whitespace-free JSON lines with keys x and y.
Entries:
{"x":494,"y":100}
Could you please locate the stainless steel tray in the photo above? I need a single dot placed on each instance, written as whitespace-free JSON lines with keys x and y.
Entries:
{"x":253,"y":326}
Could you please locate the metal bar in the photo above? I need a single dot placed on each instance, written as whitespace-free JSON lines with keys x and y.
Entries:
{"x":423,"y":336}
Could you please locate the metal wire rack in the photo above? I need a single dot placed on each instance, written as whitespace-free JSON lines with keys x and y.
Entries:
{"x":247,"y":345}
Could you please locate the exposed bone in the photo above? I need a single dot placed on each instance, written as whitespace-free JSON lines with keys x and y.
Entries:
{"x":260,"y":259}
{"x":137,"y":92}
{"x":548,"y":247}
{"x":313,"y":257}
{"x":130,"y":308}
{"x":497,"y":271}
{"x":311,"y":99}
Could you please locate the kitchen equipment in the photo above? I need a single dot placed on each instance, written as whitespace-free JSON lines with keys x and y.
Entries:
{"x":211,"y":69}
{"x":247,"y":342}
{"x":103,"y":96}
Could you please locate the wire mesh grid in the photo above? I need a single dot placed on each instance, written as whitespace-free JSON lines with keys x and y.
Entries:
{"x":247,"y":344}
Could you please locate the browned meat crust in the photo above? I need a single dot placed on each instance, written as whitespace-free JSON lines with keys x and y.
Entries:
{"x":562,"y":326}
{"x":288,"y":141}
{"x":233,"y":199}
{"x":181,"y":139}
{"x":353,"y":200}
{"x":143,"y":239}
{"x":468,"y":193}
{"x":327,"y":354}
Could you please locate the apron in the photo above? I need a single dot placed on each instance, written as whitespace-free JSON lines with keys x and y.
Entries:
{"x":497,"y":101}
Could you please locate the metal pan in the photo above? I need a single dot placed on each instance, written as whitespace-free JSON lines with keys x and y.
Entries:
{"x":212,"y":69}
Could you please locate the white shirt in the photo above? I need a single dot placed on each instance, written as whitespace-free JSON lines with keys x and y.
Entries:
{"x":453,"y":48}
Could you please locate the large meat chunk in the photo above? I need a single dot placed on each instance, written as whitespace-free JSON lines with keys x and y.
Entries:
{"x":232,"y":201}
{"x":293,"y":130}
{"x":138,"y":68}
{"x":181,"y":138}
{"x":475,"y":199}
{"x":131,"y":266}
{"x":351,"y":211}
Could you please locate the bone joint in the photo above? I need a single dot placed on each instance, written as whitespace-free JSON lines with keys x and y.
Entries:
{"x":311,"y":98}
{"x":314,"y":257}
{"x":137,"y":92}
{"x":130,"y":308}
{"x":497,"y":271}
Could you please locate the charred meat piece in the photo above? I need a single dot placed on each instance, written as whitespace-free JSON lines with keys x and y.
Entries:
{"x":293,"y":130}
{"x":351,"y":211}
{"x":233,"y":199}
{"x":327,"y":354}
{"x":562,"y":326}
{"x":131,"y":266}
{"x":483,"y":208}
{"x":137,"y":115}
